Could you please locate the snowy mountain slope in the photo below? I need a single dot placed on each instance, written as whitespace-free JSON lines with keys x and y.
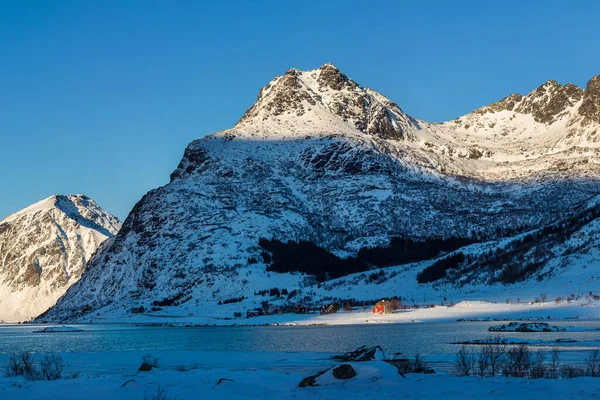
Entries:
{"x":566,"y":255}
{"x":44,"y":249}
{"x":320,"y":159}
{"x":551,"y":129}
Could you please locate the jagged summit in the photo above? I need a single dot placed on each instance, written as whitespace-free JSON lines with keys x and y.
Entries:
{"x":546,"y":104}
{"x":323,"y":100}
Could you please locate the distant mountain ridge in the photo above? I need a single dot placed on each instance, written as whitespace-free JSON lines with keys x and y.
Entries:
{"x":320,"y":159}
{"x":44,"y":249}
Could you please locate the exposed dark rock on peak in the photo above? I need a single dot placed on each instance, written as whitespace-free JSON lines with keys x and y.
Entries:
{"x":590,"y":107}
{"x":549,"y":101}
{"x":546,"y":104}
{"x":331,"y":77}
{"x":284,"y":94}
{"x":508,"y":103}
{"x":194,"y":158}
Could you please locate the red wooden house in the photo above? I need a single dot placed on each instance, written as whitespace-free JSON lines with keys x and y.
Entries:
{"x":382,"y":307}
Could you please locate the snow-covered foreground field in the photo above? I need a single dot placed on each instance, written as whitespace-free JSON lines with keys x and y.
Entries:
{"x":375,"y":379}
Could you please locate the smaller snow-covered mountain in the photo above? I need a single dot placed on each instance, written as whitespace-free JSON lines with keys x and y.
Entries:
{"x":44,"y":249}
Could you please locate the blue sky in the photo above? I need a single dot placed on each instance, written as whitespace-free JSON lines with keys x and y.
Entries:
{"x":102,"y":97}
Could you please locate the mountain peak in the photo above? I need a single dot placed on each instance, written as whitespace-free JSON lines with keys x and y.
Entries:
{"x":323,"y":100}
{"x":43,"y":205}
{"x":550,"y":84}
{"x":546,"y":104}
{"x":77,"y":207}
{"x":331,"y":77}
{"x":328,"y":65}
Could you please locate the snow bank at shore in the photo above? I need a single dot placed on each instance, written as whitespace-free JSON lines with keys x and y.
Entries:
{"x":466,"y":310}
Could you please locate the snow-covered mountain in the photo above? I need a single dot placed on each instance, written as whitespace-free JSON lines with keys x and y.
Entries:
{"x":44,"y":249}
{"x":320,"y":159}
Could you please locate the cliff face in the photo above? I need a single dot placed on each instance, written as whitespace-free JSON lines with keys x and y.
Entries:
{"x":590,"y":107}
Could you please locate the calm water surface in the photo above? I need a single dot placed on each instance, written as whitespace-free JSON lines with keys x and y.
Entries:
{"x":427,"y":339}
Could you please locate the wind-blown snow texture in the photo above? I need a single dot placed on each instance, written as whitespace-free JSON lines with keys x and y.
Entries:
{"x":322,"y":159}
{"x":44,"y":249}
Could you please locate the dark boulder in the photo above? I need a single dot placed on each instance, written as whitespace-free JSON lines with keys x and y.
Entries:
{"x":145,"y":367}
{"x":311,"y":380}
{"x":344,"y":371}
{"x":363,"y":353}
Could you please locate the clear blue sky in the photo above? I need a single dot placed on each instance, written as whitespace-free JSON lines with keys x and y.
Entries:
{"x":101,"y":97}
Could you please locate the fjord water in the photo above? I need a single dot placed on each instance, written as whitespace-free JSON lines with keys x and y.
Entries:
{"x":427,"y":339}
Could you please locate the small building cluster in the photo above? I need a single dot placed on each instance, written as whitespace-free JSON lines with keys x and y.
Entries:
{"x":381,"y":307}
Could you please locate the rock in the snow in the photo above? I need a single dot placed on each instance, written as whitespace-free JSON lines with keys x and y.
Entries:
{"x":344,"y":371}
{"x":145,"y":367}
{"x":364,"y":353}
{"x":526,"y":327}
{"x":312,"y":380}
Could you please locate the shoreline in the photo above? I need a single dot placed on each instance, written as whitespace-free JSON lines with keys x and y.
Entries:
{"x":463,"y":311}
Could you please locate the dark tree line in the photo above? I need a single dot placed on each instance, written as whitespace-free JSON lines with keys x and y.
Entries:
{"x":232,"y":300}
{"x":406,"y":250}
{"x":308,"y":258}
{"x":438,"y":269}
{"x":311,"y":259}
{"x":272,"y":292}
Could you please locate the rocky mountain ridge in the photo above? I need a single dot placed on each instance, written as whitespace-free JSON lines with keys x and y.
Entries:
{"x":320,"y":159}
